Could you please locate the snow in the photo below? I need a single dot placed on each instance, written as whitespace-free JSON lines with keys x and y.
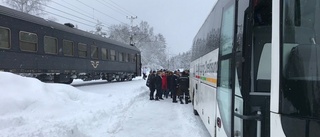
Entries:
{"x":30,"y":108}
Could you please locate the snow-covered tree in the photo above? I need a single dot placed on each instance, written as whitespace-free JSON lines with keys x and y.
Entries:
{"x":34,"y":7}
{"x":120,"y":33}
{"x":152,"y":46}
{"x":181,"y":61}
{"x":99,"y":29}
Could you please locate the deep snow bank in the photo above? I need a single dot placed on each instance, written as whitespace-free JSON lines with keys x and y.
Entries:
{"x":21,"y":94}
{"x":29,"y":107}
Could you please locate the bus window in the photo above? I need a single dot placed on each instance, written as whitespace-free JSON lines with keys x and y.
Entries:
{"x":4,"y":38}
{"x":300,"y":59}
{"x":262,"y":12}
{"x":261,"y":52}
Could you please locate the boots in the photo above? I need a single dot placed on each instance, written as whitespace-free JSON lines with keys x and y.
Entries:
{"x":181,"y":102}
{"x":174,"y":101}
{"x":186,"y":99}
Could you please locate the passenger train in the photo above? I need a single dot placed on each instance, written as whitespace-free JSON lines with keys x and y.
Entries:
{"x":49,"y":51}
{"x":255,"y":69}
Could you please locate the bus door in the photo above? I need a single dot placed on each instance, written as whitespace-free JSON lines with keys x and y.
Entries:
{"x":252,"y":69}
{"x":295,"y":93}
{"x":225,"y":73}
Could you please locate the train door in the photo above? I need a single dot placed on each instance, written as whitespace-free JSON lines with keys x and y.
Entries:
{"x":224,"y":121}
{"x":138,"y":65}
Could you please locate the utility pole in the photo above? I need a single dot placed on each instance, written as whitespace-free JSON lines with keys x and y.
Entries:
{"x":131,"y":18}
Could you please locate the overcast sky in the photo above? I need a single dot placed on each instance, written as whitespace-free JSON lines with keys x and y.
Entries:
{"x":177,"y":20}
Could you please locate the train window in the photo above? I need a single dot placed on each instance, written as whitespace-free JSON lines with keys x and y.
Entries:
{"x":113,"y":55}
{"x":131,"y":57}
{"x":68,"y":48}
{"x":134,"y":58}
{"x":4,"y":38}
{"x":120,"y":56}
{"x":104,"y":54}
{"x":94,"y":52}
{"x":82,"y":50}
{"x":125,"y":56}
{"x":28,"y":41}
{"x":50,"y":45}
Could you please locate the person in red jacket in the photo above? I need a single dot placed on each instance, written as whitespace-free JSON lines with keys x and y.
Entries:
{"x":164,"y":86}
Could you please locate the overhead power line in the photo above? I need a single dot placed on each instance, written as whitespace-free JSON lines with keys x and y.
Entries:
{"x":80,"y":22}
{"x":68,"y":18}
{"x":100,"y":12}
{"x":130,"y":13}
{"x":85,"y":19}
{"x":69,"y":14}
{"x":72,"y":5}
{"x":112,"y":7}
{"x":73,"y":10}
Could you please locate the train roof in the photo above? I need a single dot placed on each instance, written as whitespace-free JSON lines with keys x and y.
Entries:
{"x":37,"y":20}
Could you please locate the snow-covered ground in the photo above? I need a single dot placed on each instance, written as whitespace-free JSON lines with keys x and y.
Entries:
{"x":30,"y":108}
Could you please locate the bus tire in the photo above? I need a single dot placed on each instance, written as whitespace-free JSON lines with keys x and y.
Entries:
{"x":195,"y":112}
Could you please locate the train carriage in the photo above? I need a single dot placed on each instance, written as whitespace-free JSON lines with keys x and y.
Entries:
{"x":36,"y":47}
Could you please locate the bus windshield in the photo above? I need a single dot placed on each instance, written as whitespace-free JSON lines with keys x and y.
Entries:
{"x":300,"y":61}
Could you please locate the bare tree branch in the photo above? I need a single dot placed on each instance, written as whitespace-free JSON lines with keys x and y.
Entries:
{"x":34,"y":7}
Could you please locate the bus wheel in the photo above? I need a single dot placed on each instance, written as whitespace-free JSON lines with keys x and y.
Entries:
{"x":195,"y":112}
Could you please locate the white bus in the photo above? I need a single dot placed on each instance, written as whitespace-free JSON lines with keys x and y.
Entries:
{"x":255,"y":69}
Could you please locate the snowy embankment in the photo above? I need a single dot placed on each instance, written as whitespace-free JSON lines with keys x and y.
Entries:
{"x":30,"y":108}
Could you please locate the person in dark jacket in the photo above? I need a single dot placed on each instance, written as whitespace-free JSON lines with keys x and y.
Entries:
{"x":158,"y":85}
{"x":151,"y":83}
{"x":184,"y":87}
{"x":172,"y":86}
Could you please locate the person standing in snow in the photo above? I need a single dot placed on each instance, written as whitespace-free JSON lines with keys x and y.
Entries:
{"x":173,"y":85}
{"x":164,"y":86}
{"x":144,"y":71}
{"x":184,"y":87}
{"x":151,"y":83}
{"x":158,"y":84}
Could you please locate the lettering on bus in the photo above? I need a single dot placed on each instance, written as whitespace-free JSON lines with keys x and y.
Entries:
{"x":207,"y":67}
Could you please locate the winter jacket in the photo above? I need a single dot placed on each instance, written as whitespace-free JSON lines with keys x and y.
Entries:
{"x":158,"y":82}
{"x":172,"y":82}
{"x":164,"y":82}
{"x":151,"y":80}
{"x":184,"y":81}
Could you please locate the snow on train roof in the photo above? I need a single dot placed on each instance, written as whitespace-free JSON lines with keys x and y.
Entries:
{"x":37,"y":20}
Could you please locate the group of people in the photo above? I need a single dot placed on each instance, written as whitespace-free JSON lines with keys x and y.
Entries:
{"x":166,"y":84}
